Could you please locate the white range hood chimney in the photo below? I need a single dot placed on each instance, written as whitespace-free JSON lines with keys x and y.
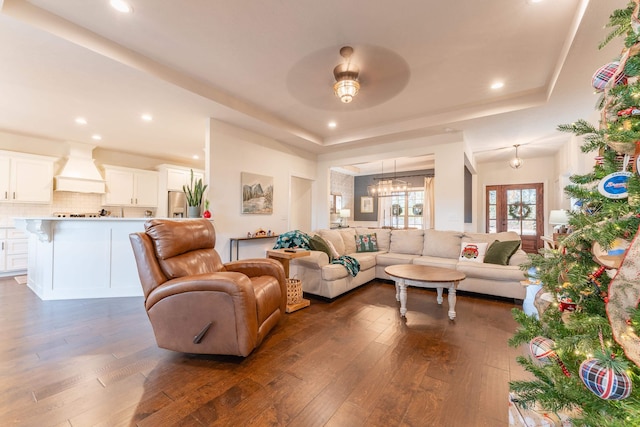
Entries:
{"x":80,"y":174}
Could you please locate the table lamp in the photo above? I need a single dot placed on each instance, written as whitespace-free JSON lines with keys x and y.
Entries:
{"x":344,"y":214}
{"x":560,"y":219}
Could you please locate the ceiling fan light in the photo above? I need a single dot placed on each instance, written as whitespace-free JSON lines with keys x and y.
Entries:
{"x":346,"y":89}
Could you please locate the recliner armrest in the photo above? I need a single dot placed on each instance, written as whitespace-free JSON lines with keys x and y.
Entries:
{"x":235,"y":284}
{"x":258,"y":267}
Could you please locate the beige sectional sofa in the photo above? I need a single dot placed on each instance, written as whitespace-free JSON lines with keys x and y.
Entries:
{"x":424,"y":247}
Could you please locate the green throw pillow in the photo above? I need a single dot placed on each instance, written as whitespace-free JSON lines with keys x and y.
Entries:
{"x":317,"y":243}
{"x":366,"y":243}
{"x":500,"y":252}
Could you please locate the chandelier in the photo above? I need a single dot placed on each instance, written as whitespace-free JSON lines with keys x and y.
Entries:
{"x":387,"y":187}
{"x":346,"y":75}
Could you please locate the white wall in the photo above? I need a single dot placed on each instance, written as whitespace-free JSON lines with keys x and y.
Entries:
{"x":232,"y":150}
{"x":448,"y":151}
{"x":500,"y":173}
{"x":570,"y":160}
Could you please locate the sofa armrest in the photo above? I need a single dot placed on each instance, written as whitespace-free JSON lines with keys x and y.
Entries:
{"x":519,"y":258}
{"x":316,"y":260}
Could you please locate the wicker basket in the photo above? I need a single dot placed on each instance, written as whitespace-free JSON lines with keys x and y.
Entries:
{"x":294,"y":291}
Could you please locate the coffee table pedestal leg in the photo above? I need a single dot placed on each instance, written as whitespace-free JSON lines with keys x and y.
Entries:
{"x":452,"y":300}
{"x":402,"y":287}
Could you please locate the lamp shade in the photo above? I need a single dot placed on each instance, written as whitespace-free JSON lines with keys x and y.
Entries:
{"x":558,"y":217}
{"x":345,"y":213}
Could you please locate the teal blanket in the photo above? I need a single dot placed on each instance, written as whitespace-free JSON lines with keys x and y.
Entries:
{"x":350,"y":263}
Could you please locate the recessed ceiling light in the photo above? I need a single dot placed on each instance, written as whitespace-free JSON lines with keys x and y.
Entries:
{"x":146,"y":117}
{"x":332,"y":125}
{"x":497,"y":85}
{"x":121,"y":6}
{"x":81,"y":120}
{"x":195,"y":157}
{"x":96,"y":137}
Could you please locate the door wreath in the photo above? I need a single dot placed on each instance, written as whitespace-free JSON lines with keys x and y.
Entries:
{"x":519,"y":211}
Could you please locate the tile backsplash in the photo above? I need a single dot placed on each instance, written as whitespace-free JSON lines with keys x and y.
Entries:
{"x":64,"y":201}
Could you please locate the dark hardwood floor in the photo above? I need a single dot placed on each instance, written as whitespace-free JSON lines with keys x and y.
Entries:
{"x":351,"y":362}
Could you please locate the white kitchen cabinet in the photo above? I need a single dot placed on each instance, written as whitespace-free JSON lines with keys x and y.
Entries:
{"x":176,"y":178}
{"x":130,"y":187}
{"x":26,"y":178}
{"x":13,"y":251}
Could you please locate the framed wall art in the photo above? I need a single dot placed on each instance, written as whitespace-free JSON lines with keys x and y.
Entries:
{"x":257,"y":193}
{"x":366,"y":204}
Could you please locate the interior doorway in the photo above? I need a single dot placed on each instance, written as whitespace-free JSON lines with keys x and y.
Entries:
{"x":300,"y":204}
{"x":519,"y":208}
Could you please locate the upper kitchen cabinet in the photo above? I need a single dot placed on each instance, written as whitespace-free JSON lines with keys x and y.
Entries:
{"x":26,"y":178}
{"x":177,"y":177}
{"x":130,"y":187}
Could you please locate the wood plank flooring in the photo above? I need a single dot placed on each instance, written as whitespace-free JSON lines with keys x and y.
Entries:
{"x":352,"y":362}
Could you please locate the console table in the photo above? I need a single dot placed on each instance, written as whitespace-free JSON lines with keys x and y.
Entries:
{"x":237,"y":241}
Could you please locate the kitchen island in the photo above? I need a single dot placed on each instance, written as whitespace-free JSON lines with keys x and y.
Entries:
{"x":70,"y":258}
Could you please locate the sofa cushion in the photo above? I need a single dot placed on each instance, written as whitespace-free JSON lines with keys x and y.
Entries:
{"x":334,"y":272}
{"x":434,"y":261}
{"x":444,"y":244}
{"x":392,"y":258}
{"x":366,"y":242}
{"x":520,"y":257}
{"x":367,"y":260}
{"x":407,"y":241}
{"x":499,"y":273}
{"x":317,"y":243}
{"x":335,"y":238}
{"x":472,"y":251}
{"x":349,"y":239}
{"x":500,"y":252}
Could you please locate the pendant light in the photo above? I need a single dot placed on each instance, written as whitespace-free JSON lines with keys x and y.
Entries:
{"x":516,"y":162}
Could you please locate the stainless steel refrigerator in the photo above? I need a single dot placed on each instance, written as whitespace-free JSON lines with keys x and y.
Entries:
{"x":177,"y":205}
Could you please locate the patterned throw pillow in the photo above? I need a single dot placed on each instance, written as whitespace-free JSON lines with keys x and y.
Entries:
{"x":366,"y":243}
{"x":474,"y":252}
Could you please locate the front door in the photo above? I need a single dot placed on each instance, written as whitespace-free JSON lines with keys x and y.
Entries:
{"x":519,"y":208}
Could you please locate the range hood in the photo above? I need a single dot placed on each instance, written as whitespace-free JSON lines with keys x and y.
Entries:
{"x":79,"y":174}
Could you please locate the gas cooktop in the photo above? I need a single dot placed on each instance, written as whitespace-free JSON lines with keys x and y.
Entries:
{"x":75,"y":215}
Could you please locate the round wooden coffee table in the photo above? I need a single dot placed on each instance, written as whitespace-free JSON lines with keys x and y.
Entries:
{"x":423,"y":276}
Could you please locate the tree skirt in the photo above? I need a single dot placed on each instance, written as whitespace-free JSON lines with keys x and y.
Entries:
{"x":624,"y":293}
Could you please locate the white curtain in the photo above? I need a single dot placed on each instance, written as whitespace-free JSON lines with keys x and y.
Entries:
{"x":428,"y":210}
{"x":384,"y":211}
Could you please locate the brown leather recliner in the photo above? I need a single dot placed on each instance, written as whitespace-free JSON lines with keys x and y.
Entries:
{"x":197,"y":304}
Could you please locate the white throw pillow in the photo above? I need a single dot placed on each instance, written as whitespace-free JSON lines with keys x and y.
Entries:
{"x":332,"y":248}
{"x":472,"y":251}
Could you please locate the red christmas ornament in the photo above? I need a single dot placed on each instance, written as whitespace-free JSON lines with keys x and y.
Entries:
{"x":206,"y":214}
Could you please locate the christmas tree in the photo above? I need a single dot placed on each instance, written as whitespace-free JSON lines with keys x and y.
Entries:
{"x":584,"y":345}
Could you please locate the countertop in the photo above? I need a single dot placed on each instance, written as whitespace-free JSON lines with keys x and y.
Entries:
{"x":100,"y":218}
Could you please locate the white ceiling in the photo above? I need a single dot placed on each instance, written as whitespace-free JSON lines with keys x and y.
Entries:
{"x":426,"y":67}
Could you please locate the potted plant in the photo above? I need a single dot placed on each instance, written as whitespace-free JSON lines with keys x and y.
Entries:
{"x":194,"y":193}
